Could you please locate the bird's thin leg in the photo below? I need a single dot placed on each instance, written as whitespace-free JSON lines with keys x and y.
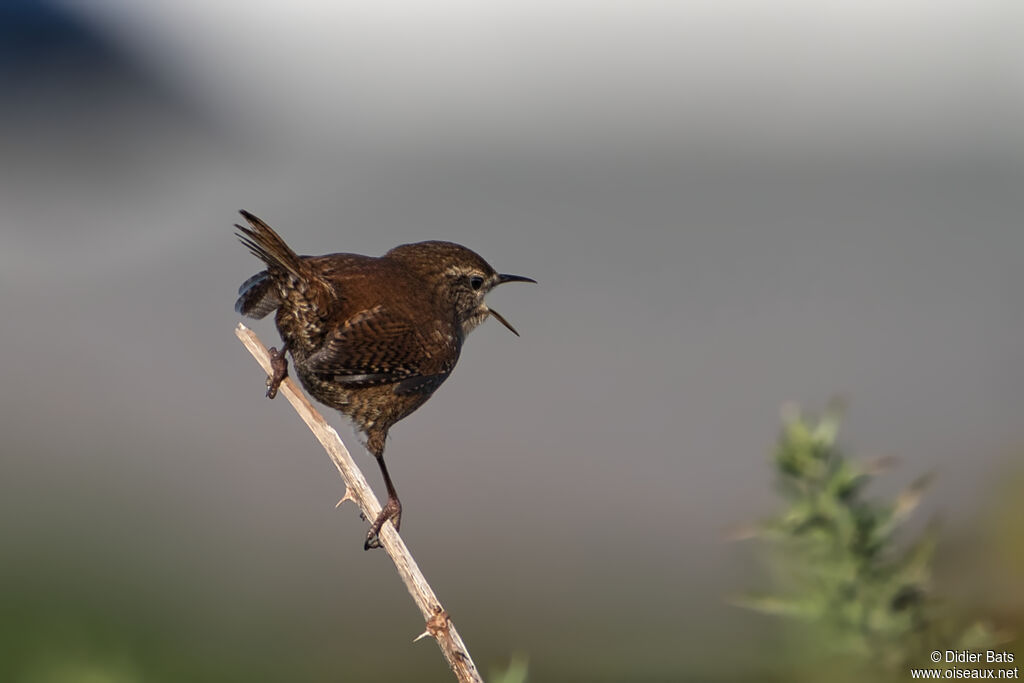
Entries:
{"x":392,"y":509}
{"x":279,"y":365}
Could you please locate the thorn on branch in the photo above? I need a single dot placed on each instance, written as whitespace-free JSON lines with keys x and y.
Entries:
{"x":437,"y":625}
{"x":348,"y":496}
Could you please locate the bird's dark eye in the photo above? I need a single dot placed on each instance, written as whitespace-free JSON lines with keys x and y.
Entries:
{"x":476,"y":282}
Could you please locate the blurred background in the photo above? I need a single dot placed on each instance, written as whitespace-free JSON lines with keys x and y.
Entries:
{"x":726,"y":205}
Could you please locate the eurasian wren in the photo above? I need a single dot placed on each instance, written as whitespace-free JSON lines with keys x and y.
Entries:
{"x":373,"y":337}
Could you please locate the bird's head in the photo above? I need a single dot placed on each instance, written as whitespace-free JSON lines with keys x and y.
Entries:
{"x":460,"y":275}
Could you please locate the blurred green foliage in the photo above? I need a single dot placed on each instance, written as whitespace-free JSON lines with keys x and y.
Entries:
{"x":515,"y":672}
{"x":839,"y":568}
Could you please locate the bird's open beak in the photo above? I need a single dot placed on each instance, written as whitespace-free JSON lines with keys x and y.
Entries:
{"x":501,"y":319}
{"x":503,"y":278}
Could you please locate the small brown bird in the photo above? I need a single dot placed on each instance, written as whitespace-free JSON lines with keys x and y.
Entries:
{"x":372,"y":337}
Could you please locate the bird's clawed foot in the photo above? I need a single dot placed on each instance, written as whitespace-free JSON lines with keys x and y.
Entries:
{"x":279,"y":365}
{"x":393,"y":511}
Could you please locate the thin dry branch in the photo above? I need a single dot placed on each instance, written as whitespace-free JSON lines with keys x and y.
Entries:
{"x":438,"y":624}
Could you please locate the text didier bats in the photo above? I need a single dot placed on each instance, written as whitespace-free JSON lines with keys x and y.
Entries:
{"x":989,"y":656}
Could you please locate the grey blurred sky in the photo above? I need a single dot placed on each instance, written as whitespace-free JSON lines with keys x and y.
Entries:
{"x":727,"y":205}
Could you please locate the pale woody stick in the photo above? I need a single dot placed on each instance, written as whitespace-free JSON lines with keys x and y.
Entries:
{"x":439,"y":625}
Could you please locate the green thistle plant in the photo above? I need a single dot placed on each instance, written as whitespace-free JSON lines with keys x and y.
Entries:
{"x":838,"y":565}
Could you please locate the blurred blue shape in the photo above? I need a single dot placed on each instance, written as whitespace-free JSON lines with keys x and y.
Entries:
{"x":34,"y":34}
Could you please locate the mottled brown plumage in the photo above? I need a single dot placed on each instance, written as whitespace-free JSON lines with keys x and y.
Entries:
{"x":372,"y":337}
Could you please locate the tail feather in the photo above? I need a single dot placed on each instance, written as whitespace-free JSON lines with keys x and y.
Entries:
{"x":289,"y":279}
{"x":257,"y":296}
{"x":268,"y":246}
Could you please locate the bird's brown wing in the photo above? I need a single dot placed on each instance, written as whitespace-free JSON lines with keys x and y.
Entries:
{"x":375,"y":347}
